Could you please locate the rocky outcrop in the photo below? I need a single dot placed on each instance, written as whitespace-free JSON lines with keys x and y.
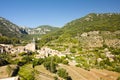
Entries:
{"x":98,"y":39}
{"x":44,"y":29}
{"x":9,"y":29}
{"x":91,"y":39}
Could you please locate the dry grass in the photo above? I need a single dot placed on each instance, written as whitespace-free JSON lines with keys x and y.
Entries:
{"x":94,"y":74}
{"x":43,"y":74}
{"x":3,"y":72}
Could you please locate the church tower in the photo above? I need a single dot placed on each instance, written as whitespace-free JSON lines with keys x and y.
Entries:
{"x":31,"y":46}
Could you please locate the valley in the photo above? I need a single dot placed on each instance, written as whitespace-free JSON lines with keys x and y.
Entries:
{"x":87,"y":48}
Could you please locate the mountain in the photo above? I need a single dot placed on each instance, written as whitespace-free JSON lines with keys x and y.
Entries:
{"x":10,"y":29}
{"x":90,"y":31}
{"x":94,"y":22}
{"x":43,"y":29}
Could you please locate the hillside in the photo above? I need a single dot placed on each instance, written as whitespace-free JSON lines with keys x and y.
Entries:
{"x":93,"y":29}
{"x":37,"y":32}
{"x":10,"y":29}
{"x":94,"y":22}
{"x":84,"y":49}
{"x":90,"y":42}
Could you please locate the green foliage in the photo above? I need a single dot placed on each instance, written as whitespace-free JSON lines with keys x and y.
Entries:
{"x":118,"y":78}
{"x":91,"y":22}
{"x":115,"y":51}
{"x":9,"y":29}
{"x":65,"y":62}
{"x":62,"y":73}
{"x":37,"y":62}
{"x":51,"y":66}
{"x":72,"y":50}
{"x":49,"y":37}
{"x":57,"y":59}
{"x":27,"y":59}
{"x":15,"y":61}
{"x":55,"y":78}
{"x":23,"y":53}
{"x":48,"y":27}
{"x":4,"y":59}
{"x":26,"y":72}
{"x":117,"y":69}
{"x":3,"y":62}
{"x":40,"y":61}
{"x":6,"y":40}
{"x":50,"y":63}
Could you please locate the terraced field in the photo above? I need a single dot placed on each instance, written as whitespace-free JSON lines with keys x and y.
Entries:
{"x":77,"y":73}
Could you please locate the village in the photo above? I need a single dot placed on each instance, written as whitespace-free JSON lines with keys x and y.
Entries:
{"x":31,"y":47}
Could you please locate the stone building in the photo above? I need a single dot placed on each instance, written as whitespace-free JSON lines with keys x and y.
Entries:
{"x":11,"y":49}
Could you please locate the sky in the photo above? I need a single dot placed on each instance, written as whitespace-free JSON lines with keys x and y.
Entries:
{"x":33,"y":13}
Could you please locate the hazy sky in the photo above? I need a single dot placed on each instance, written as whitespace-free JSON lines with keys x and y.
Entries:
{"x":32,"y":13}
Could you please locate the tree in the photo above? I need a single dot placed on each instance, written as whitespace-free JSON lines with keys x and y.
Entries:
{"x":50,"y":66}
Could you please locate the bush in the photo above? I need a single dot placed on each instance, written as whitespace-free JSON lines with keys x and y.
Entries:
{"x":65,"y":62}
{"x":72,"y":50}
{"x":21,"y":63}
{"x":22,"y":54}
{"x":57,"y":59}
{"x":118,"y":78}
{"x":51,"y":66}
{"x":40,"y":61}
{"x":16,"y":61}
{"x":62,"y":73}
{"x":37,"y":62}
{"x":117,"y":69}
{"x":55,"y":78}
{"x":26,"y":72}
{"x":27,"y":59}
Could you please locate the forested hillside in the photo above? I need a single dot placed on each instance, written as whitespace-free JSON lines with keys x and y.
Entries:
{"x":73,"y":30}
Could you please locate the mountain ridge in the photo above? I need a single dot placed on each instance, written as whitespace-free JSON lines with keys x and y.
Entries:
{"x":9,"y":29}
{"x":106,"y":24}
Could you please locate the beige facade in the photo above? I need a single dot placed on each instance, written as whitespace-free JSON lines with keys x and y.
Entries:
{"x":11,"y":49}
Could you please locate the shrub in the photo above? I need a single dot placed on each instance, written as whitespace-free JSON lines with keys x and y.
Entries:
{"x":72,"y":50}
{"x":26,"y":72}
{"x":118,"y":78}
{"x":22,"y":54}
{"x":51,"y":66}
{"x":3,"y":62}
{"x":62,"y":73}
{"x":55,"y":78}
{"x":40,"y":61}
{"x":37,"y":62}
{"x":117,"y":69}
{"x":65,"y":62}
